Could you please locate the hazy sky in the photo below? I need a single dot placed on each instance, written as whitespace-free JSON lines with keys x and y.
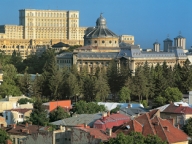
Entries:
{"x":147,"y":20}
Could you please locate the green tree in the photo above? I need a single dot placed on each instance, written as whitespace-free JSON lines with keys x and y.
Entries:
{"x":16,"y":60}
{"x":101,"y":89}
{"x":24,"y":83}
{"x":124,"y":94}
{"x":113,"y":77}
{"x":186,"y":77}
{"x":39,"y":115}
{"x":37,"y":86}
{"x":135,"y":138}
{"x":49,"y":73}
{"x":160,"y":101}
{"x":187,"y":128}
{"x":159,"y":80}
{"x":153,"y":139}
{"x":82,"y":107}
{"x":58,"y":114}
{"x":25,"y":100}
{"x":9,"y":86}
{"x":3,"y":136}
{"x":72,"y":86}
{"x":139,"y":84}
{"x":148,"y":73}
{"x":172,"y":94}
{"x":88,"y":88}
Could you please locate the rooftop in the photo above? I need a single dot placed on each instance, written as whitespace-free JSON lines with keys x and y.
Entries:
{"x":150,"y":123}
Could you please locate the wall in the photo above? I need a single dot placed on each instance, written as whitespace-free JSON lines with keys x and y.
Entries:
{"x":39,"y":138}
{"x":184,"y":142}
{"x":82,"y":137}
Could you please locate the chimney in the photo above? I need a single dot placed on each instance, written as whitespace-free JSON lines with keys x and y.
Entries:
{"x":104,"y":115}
{"x":109,"y":132}
{"x":14,"y":126}
{"x":108,"y":113}
{"x":178,"y":126}
{"x":26,"y":124}
{"x":85,"y":125}
{"x":180,"y":105}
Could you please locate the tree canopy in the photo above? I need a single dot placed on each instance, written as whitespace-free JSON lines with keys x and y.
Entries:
{"x":3,"y":136}
{"x":136,"y":138}
{"x":82,"y":107}
{"x":58,"y":114}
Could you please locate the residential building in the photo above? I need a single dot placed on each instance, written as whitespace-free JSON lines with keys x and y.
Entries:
{"x":17,"y":115}
{"x":108,"y":121}
{"x":9,"y":102}
{"x":162,"y":108}
{"x":179,"y":113}
{"x":69,"y":135}
{"x":50,"y":106}
{"x":151,"y":123}
{"x":3,"y":122}
{"x":41,"y":28}
{"x":101,"y":46}
{"x":86,"y":135}
{"x":18,"y":133}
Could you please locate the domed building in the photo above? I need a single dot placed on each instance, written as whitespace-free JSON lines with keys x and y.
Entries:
{"x":101,"y":45}
{"x":100,"y":35}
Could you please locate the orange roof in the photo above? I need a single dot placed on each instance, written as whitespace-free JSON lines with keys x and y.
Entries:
{"x":64,"y":104}
{"x":152,"y":124}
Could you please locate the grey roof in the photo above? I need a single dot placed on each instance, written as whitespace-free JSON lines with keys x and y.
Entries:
{"x":97,"y":55}
{"x":60,"y":44}
{"x":132,"y":111}
{"x":179,"y":52}
{"x":65,"y":55}
{"x":179,"y":36}
{"x":156,"y":43}
{"x":100,"y":30}
{"x":89,"y":119}
{"x":135,"y":52}
{"x":168,"y":39}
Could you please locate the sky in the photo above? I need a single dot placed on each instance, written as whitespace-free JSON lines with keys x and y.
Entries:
{"x":146,"y":20}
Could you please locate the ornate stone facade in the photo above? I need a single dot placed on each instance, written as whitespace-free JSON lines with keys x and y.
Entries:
{"x":41,"y":28}
{"x":98,"y":51}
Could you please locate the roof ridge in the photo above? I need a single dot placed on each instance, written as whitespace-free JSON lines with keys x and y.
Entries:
{"x":149,"y":120}
{"x":162,"y":128}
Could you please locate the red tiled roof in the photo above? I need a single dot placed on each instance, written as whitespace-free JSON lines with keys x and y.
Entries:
{"x":24,"y":110}
{"x":111,"y":120}
{"x":22,"y":129}
{"x":178,"y":109}
{"x":99,"y":134}
{"x":154,"y":125}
